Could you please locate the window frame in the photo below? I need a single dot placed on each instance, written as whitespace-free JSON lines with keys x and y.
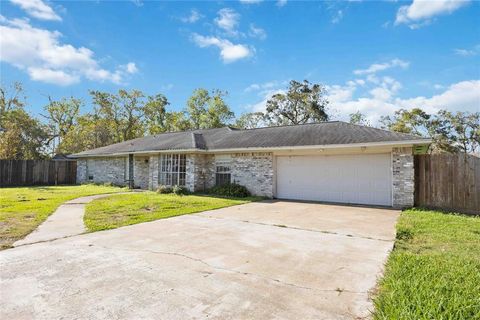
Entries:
{"x":90,"y":169}
{"x":172,"y":169}
{"x":223,"y":172}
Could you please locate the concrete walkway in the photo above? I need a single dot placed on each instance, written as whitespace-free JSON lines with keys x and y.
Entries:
{"x":66,"y":221}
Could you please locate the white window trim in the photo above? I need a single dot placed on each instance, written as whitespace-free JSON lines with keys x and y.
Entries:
{"x":223,"y":162}
{"x":170,"y":171}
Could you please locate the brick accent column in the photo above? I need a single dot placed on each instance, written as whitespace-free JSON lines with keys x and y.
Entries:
{"x":190,"y":172}
{"x":200,"y":172}
{"x":141,"y":171}
{"x":153,"y":162}
{"x":81,"y":170}
{"x":403,"y":177}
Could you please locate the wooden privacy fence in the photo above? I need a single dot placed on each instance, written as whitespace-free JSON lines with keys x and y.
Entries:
{"x":448,"y":181}
{"x":37,"y":172}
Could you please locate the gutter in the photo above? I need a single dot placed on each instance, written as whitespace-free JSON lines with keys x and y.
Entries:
{"x":404,"y":143}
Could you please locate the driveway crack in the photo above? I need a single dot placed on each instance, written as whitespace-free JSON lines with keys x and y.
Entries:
{"x":244,"y":273}
{"x":293,"y":227}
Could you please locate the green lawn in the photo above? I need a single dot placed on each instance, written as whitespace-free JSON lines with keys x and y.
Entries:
{"x":434,"y":270}
{"x":23,"y":209}
{"x":126,"y":209}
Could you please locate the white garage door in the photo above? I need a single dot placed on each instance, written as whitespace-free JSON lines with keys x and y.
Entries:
{"x":362,"y":179}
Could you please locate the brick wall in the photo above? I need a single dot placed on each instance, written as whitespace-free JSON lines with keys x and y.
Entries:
{"x":200,"y":172}
{"x":81,"y":170}
{"x":403,"y":182}
{"x":254,"y":171}
{"x":141,"y":172}
{"x":153,"y":162}
{"x":102,"y":170}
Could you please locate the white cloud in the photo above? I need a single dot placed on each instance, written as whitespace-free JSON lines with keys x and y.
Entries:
{"x":130,"y":67}
{"x":193,"y":17}
{"x":37,"y":9}
{"x":375,"y":102}
{"x":266,"y":86}
{"x":260,"y":106}
{"x":228,"y":20}
{"x":58,"y":77}
{"x":167,"y":87}
{"x":377,"y":67}
{"x":468,"y":52}
{"x":250,"y":1}
{"x":461,"y":96}
{"x":381,"y":98}
{"x":281,"y":3}
{"x":138,"y":3}
{"x":337,"y":17}
{"x":264,"y":91}
{"x":339,"y":93}
{"x":464,"y":52}
{"x":41,"y":54}
{"x":257,"y":32}
{"x":229,"y":52}
{"x":420,"y":12}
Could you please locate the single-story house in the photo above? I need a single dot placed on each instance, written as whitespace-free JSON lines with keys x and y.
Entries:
{"x":329,"y":161}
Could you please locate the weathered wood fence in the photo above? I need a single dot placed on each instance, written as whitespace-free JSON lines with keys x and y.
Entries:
{"x":37,"y":172}
{"x":448,"y":181}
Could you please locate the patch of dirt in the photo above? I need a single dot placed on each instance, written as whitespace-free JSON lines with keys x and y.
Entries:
{"x":4,"y":227}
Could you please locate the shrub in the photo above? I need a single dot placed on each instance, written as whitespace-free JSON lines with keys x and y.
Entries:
{"x":164,"y":189}
{"x":230,"y":190}
{"x":179,"y":190}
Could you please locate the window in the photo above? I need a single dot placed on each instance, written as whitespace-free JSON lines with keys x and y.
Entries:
{"x":223,"y":174}
{"x":90,"y":169}
{"x":172,"y":169}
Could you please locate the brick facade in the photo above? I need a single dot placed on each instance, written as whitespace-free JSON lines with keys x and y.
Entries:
{"x":200,"y":172}
{"x":141,"y":172}
{"x":403,"y":179}
{"x":154,"y":162}
{"x":101,"y":170}
{"x":253,"y":170}
{"x":81,"y":170}
{"x":114,"y":170}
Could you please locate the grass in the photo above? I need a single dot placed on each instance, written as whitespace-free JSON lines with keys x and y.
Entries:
{"x":434,"y":269}
{"x":127,"y":209}
{"x":23,"y":209}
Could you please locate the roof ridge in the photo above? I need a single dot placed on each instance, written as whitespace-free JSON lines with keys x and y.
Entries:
{"x":292,"y":125}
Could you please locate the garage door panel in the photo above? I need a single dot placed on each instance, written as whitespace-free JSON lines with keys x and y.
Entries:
{"x":363,"y":179}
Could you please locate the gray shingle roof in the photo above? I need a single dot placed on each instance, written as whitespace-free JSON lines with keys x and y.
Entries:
{"x":324,"y":133}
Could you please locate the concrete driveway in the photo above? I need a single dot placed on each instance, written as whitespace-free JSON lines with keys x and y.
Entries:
{"x":272,"y":259}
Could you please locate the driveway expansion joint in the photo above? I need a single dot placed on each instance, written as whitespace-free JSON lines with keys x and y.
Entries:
{"x":294,"y":228}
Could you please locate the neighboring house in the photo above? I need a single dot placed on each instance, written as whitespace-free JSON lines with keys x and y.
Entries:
{"x":329,"y":161}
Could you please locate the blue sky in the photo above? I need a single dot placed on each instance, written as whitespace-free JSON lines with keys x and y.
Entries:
{"x":374,"y":57}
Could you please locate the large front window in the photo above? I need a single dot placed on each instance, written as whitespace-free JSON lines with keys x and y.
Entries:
{"x":172,"y":169}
